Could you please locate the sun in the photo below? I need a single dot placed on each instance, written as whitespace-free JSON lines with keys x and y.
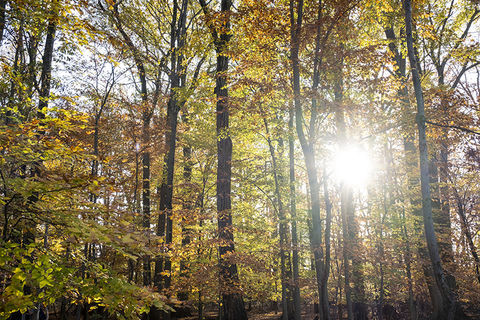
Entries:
{"x":352,"y":165}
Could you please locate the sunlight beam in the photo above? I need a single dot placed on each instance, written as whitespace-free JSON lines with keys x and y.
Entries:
{"x":352,"y":165}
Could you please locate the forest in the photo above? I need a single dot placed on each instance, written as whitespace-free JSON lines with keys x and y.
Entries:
{"x":240,"y":159}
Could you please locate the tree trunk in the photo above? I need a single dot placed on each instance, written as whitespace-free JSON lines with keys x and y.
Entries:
{"x":233,"y":307}
{"x":9,"y":117}
{"x":413,"y":182}
{"x":43,"y":98}
{"x":346,"y":194}
{"x":46,"y":75}
{"x":3,"y":7}
{"x":146,"y":189}
{"x":449,"y":300}
{"x":308,"y":149}
{"x":187,"y":207}
{"x":132,"y":270}
{"x":467,"y":233}
{"x":166,"y":189}
{"x":146,"y":117}
{"x":293,"y":214}
{"x":328,"y":223}
{"x":442,"y":220}
{"x":346,"y":253}
{"x":283,"y":226}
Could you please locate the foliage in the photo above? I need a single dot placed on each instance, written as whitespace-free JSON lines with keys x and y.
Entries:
{"x":74,"y":233}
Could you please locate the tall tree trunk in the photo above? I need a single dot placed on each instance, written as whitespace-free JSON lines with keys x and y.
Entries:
{"x":408,"y":269}
{"x":173,"y":107}
{"x":293,"y":214}
{"x":449,"y":299}
{"x":358,"y":298}
{"x":177,"y":34}
{"x":443,"y":222}
{"x":43,"y":98}
{"x":328,"y":224}
{"x":346,"y":253}
{"x":96,"y":132}
{"x":46,"y":75}
{"x":146,"y":184}
{"x":145,"y":138}
{"x":187,"y":207}
{"x":3,"y":7}
{"x":467,"y":232}
{"x":166,"y":188}
{"x":387,"y":203}
{"x":442,"y":219}
{"x":9,"y":117}
{"x":132,"y":270}
{"x":346,"y":193}
{"x":233,"y":307}
{"x":285,"y":264}
{"x":338,"y":291}
{"x":413,"y":182}
{"x":308,"y":145}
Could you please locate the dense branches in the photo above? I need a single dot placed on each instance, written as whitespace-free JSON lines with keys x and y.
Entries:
{"x":144,"y":169}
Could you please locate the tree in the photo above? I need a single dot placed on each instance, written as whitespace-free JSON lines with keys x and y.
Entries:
{"x":307,"y":144}
{"x":177,"y":71}
{"x":233,"y":307}
{"x":449,"y":303}
{"x":90,"y":99}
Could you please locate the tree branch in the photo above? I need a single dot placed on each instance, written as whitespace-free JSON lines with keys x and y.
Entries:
{"x":453,"y":127}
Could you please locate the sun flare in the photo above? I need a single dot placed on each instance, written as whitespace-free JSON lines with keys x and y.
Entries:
{"x":352,"y":165}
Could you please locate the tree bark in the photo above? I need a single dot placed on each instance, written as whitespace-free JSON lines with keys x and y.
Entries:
{"x":285,"y":264}
{"x":43,"y":99}
{"x":9,"y":117}
{"x":308,"y":146}
{"x":177,"y":35}
{"x":145,"y":138}
{"x":188,"y":205}
{"x":187,"y":208}
{"x":466,"y":231}
{"x":3,"y":7}
{"x":233,"y":307}
{"x":293,"y":215}
{"x":346,"y":254}
{"x":449,"y":303}
{"x":442,"y":219}
{"x":413,"y":182}
{"x":46,"y":75}
{"x":346,"y":193}
{"x":328,"y":224}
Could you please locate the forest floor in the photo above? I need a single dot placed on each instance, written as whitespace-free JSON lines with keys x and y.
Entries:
{"x":251,"y":316}
{"x":265,"y":316}
{"x":276,"y":316}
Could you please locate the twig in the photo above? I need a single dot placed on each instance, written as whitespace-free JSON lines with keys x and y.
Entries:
{"x":452,"y":127}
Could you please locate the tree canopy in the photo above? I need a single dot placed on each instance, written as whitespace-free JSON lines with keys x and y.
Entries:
{"x":182,"y":158}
